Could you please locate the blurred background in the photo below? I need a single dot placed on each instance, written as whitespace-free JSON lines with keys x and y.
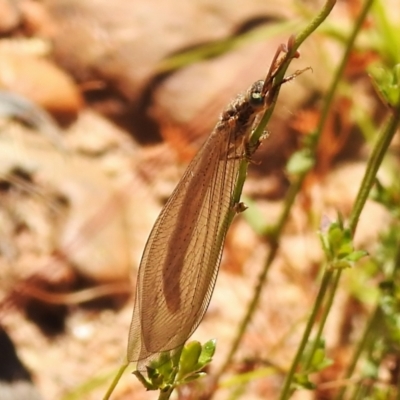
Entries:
{"x":102,"y":106}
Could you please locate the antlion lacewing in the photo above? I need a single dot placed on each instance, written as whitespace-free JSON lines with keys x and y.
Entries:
{"x":181,"y":259}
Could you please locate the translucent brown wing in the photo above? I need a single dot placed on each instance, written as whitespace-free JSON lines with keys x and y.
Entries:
{"x":180,"y":263}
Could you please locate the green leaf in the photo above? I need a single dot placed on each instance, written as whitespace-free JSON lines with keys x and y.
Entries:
{"x":163,"y":358}
{"x":356,"y":255}
{"x":337,"y":244}
{"x":166,"y":371}
{"x":301,"y":381}
{"x":194,"y":358}
{"x":341,"y":264}
{"x":194,"y":376}
{"x":387,"y":83}
{"x":320,"y":361}
{"x":344,"y":250}
{"x":147,"y":383}
{"x":207,"y":352}
{"x":174,"y":368}
{"x":189,"y":358}
{"x":301,"y":161}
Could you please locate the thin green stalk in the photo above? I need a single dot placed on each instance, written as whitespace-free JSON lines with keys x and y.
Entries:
{"x":374,"y":163}
{"x":315,"y":23}
{"x":290,"y":199}
{"x":322,"y":323}
{"x":359,"y":392}
{"x":327,"y":274}
{"x":338,"y":74}
{"x":255,"y":137}
{"x":299,"y":39}
{"x":296,"y":186}
{"x":370,"y":327}
{"x":115,"y":381}
{"x":359,"y":349}
{"x":250,"y":311}
{"x":220,"y":47}
{"x":287,"y":389}
{"x":165,"y":395}
{"x":291,"y":195}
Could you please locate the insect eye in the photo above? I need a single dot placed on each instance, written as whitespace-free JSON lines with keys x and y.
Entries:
{"x":256,"y":99}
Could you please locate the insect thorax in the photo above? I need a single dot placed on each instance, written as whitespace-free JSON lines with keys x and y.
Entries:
{"x":240,"y":114}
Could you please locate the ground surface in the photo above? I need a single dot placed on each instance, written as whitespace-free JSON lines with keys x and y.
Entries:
{"x":74,"y":221}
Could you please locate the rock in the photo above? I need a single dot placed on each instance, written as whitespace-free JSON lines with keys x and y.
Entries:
{"x":125,"y":47}
{"x":39,"y":80}
{"x":10,"y":16}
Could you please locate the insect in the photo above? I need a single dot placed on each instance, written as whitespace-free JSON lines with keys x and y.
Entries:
{"x":181,"y":259}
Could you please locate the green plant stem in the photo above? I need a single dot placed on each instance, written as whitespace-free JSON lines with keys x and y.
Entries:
{"x":115,"y":381}
{"x":315,"y":23}
{"x":381,"y":146}
{"x":328,"y":306}
{"x":398,"y":387}
{"x":328,"y":274}
{"x":373,"y":165}
{"x":359,"y":349}
{"x":274,"y":246}
{"x":165,"y":395}
{"x":360,"y":392}
{"x":339,"y":72}
{"x":255,"y":137}
{"x":286,"y":390}
{"x":299,"y":39}
{"x":219,"y":47}
{"x":363,"y":341}
{"x":250,"y":311}
{"x":291,"y":195}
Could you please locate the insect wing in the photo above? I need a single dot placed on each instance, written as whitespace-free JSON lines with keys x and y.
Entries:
{"x":180,"y":263}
